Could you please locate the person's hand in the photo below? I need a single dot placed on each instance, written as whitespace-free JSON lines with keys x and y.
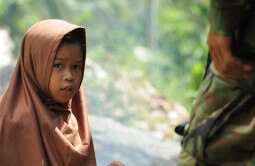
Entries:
{"x":116,"y":163}
{"x":224,"y":61}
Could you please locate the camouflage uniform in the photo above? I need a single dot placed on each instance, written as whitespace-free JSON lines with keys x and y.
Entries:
{"x":221,"y":131}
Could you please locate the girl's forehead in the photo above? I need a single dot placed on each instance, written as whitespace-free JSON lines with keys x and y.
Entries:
{"x":69,"y":51}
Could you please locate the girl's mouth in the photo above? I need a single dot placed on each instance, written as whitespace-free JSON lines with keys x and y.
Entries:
{"x":67,"y":89}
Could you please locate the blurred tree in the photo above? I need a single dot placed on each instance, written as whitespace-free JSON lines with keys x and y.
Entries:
{"x":17,"y":16}
{"x":182,"y":38}
{"x":171,"y":34}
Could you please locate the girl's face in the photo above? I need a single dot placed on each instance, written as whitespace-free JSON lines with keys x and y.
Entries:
{"x":66,"y":73}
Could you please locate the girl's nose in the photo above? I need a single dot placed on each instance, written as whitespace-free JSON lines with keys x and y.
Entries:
{"x":68,"y":75}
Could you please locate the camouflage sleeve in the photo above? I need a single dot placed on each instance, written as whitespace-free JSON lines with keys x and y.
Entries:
{"x":224,"y":15}
{"x":222,"y":124}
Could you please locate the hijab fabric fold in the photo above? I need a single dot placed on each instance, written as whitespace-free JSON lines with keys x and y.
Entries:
{"x":34,"y":130}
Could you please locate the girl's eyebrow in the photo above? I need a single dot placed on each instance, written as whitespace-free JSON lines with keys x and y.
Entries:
{"x":78,"y":61}
{"x":60,"y":58}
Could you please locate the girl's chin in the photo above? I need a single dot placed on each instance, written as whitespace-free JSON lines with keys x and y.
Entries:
{"x":63,"y":100}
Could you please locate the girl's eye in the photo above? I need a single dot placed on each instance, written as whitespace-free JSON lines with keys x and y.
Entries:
{"x":57,"y":65}
{"x":77,"y":67}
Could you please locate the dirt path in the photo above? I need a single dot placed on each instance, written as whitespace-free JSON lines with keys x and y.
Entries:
{"x":132,"y":146}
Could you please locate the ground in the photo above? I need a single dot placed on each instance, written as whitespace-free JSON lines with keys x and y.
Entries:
{"x":130,"y":145}
{"x":115,"y":141}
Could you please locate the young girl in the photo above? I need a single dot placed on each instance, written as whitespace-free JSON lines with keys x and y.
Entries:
{"x":43,"y":116}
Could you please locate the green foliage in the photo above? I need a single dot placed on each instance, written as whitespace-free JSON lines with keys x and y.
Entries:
{"x":162,"y":39}
{"x":182,"y":38}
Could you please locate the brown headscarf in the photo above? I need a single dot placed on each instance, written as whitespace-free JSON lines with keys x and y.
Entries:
{"x":34,"y":130}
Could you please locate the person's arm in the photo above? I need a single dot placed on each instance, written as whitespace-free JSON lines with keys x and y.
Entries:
{"x":224,"y":19}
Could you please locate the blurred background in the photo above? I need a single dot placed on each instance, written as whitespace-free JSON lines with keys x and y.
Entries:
{"x":145,"y":61}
